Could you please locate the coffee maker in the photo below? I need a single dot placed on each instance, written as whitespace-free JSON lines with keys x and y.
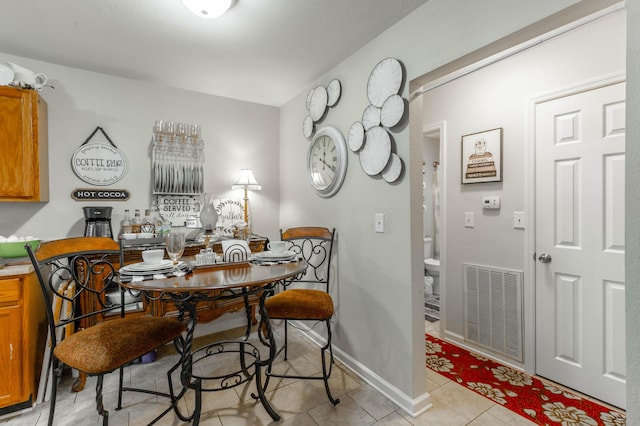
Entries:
{"x":97,"y":222}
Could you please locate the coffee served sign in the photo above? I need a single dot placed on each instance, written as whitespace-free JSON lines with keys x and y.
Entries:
{"x":99,"y":163}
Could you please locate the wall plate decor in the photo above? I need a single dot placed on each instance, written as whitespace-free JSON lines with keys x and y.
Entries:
{"x":327,"y":161}
{"x":392,"y":111}
{"x":333,"y":92}
{"x":392,"y":171}
{"x":482,"y":157}
{"x":99,"y":163}
{"x":307,"y":126}
{"x":318,"y":104}
{"x":318,"y":100}
{"x":376,"y":152}
{"x":356,"y":136}
{"x":371,"y":117}
{"x":385,"y":80}
{"x":385,"y":110}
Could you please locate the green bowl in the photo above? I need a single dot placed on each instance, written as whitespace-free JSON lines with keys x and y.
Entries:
{"x":16,"y":248}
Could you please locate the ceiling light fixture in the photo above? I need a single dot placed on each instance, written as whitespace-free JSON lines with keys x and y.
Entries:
{"x":207,"y":8}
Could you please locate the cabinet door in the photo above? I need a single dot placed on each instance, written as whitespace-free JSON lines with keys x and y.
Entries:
{"x":24,"y":155}
{"x":10,"y":356}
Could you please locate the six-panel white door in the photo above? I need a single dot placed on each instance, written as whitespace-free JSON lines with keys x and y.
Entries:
{"x":580,"y":242}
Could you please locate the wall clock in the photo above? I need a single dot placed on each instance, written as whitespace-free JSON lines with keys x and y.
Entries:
{"x":327,"y":161}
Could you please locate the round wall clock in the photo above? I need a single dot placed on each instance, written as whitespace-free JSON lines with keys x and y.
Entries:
{"x":327,"y":161}
{"x":385,"y":80}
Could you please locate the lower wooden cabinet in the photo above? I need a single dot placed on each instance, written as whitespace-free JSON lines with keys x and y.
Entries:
{"x":22,"y":336}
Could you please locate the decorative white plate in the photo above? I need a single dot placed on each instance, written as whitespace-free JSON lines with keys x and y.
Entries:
{"x":146,"y":267}
{"x":376,"y":152}
{"x":272,"y":256}
{"x":385,"y":80}
{"x":392,"y":111}
{"x":356,"y":136}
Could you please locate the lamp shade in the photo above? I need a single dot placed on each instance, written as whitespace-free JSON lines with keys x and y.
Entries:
{"x":247,"y":180}
{"x":207,"y":8}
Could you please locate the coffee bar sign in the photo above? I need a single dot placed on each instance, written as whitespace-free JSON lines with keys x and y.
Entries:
{"x":99,"y":163}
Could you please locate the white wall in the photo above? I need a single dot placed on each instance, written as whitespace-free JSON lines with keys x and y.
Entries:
{"x":236,"y":134}
{"x":379,"y":285}
{"x":498,"y":96}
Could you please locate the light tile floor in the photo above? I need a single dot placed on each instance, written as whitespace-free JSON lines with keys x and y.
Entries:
{"x":300,"y":403}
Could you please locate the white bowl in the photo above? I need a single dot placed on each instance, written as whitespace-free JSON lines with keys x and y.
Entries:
{"x":128,"y":236}
{"x":152,"y":257}
{"x":145,"y":235}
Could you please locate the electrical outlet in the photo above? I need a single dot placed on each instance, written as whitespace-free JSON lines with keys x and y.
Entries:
{"x":468,"y":219}
{"x":379,"y":222}
{"x":518,"y":220}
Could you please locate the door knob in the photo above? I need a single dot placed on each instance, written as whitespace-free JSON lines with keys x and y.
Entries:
{"x":544,"y":258}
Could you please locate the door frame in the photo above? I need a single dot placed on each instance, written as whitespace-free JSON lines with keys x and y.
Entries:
{"x":529,"y":291}
{"x":441,"y":128}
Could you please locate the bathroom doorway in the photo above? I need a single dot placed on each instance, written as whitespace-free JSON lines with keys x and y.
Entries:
{"x":432,"y":213}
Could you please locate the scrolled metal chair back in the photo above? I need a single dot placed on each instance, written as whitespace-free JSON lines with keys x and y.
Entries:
{"x":75,"y":276}
{"x":315,"y":246}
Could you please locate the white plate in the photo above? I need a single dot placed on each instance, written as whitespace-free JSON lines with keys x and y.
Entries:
{"x":143,"y":266}
{"x":272,"y":255}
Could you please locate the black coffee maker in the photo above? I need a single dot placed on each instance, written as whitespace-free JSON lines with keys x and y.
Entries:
{"x":97,"y":222}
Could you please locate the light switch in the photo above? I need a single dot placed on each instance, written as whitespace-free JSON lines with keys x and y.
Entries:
{"x":468,"y":219}
{"x":379,"y":222}
{"x":518,"y":220}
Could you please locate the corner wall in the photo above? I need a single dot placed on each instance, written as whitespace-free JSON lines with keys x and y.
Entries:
{"x":378,"y":291}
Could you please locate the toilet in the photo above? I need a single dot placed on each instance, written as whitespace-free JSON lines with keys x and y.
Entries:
{"x":431,"y":265}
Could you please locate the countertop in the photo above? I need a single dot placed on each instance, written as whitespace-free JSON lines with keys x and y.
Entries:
{"x":12,"y":270}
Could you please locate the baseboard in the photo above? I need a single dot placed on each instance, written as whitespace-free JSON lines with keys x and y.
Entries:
{"x":412,"y":406}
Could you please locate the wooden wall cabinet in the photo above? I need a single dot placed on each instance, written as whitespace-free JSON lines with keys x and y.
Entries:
{"x":24,"y":163}
{"x":22,"y":336}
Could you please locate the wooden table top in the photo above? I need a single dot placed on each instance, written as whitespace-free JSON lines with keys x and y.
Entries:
{"x":221,"y":278}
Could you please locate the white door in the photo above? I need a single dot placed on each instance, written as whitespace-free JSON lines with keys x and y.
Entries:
{"x":580,"y":242}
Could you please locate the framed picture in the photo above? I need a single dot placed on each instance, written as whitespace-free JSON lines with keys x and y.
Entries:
{"x":482,"y":157}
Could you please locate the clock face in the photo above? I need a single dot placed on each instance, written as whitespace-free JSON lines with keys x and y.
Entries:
{"x":327,"y":161}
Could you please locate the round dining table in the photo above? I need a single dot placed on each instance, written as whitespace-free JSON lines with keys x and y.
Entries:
{"x":220,"y":282}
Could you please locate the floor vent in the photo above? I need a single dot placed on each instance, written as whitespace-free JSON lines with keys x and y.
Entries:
{"x":493,"y":309}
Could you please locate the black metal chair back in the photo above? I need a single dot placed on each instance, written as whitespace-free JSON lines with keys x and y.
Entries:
{"x":315,"y":246}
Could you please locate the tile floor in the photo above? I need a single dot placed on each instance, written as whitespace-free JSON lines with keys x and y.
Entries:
{"x":300,"y":403}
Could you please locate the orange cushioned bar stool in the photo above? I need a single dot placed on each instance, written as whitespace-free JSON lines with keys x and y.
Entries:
{"x":307,"y":298}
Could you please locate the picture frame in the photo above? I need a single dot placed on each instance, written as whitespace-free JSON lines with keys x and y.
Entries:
{"x":482,"y":156}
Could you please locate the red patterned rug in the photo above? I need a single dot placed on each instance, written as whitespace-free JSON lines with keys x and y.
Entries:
{"x":538,"y":401}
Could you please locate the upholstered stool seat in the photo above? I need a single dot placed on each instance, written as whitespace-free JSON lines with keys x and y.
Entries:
{"x":107,"y":346}
{"x":300,"y":304}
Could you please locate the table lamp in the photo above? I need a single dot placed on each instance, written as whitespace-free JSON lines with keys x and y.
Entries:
{"x":246,"y":181}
